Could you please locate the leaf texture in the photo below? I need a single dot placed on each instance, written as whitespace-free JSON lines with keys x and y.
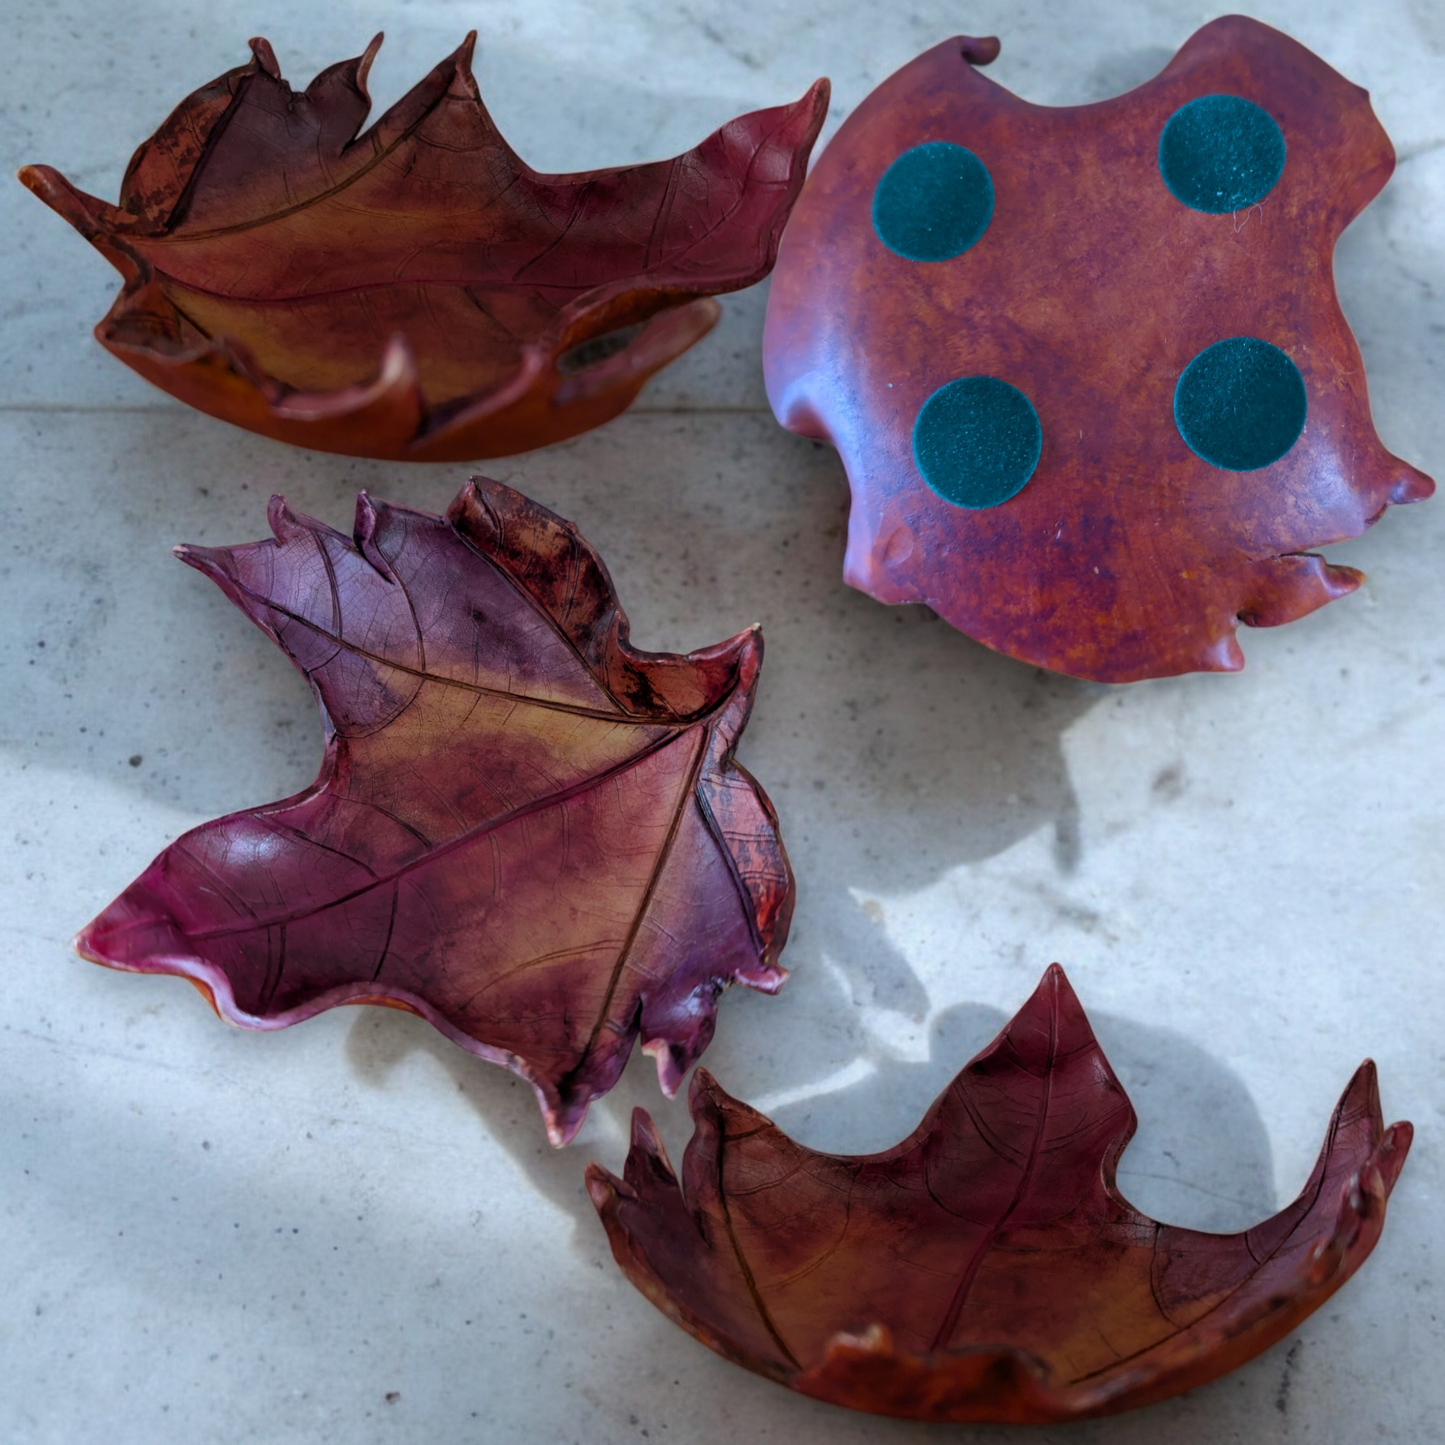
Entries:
{"x":415,"y":290}
{"x":1125,"y":554}
{"x":986,"y":1268}
{"x":524,"y":830}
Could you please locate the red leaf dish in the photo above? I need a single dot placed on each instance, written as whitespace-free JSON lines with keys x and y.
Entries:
{"x":524,"y":830}
{"x":1089,"y":285}
{"x":986,"y":1268}
{"x":416,"y":291}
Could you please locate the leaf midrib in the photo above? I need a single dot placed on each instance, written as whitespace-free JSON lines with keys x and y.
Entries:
{"x":675,"y":724}
{"x":462,"y":840}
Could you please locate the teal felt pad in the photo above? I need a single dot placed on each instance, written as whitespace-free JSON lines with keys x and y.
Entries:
{"x":1240,"y":404}
{"x":933,"y":202}
{"x":977,"y":441}
{"x":1220,"y":153}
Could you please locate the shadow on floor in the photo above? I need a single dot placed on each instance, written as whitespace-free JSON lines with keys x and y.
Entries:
{"x":1201,"y":1158}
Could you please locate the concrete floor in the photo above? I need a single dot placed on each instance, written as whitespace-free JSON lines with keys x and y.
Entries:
{"x":353,"y":1231}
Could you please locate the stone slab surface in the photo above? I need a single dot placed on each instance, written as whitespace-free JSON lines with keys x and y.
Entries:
{"x":354,"y":1232}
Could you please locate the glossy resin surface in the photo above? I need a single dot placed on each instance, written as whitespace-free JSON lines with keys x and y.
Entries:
{"x":1114,"y":549}
{"x":415,"y":290}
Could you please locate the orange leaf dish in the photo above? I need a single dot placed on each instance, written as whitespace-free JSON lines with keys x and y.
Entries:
{"x":986,"y":1268}
{"x":416,"y":291}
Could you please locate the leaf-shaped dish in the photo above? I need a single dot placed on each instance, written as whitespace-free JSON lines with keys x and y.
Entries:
{"x":417,"y":292}
{"x":524,"y":829}
{"x":987,"y":1267}
{"x":1091,"y":416}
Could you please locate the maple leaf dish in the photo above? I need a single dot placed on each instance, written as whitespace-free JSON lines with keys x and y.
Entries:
{"x":415,"y":291}
{"x":524,"y":829}
{"x":1085,"y":365}
{"x":986,"y":1268}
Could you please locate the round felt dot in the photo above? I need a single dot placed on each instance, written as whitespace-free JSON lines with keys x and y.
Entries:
{"x":977,"y":441}
{"x":1240,"y":404}
{"x":933,"y":202}
{"x":1220,"y":153}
